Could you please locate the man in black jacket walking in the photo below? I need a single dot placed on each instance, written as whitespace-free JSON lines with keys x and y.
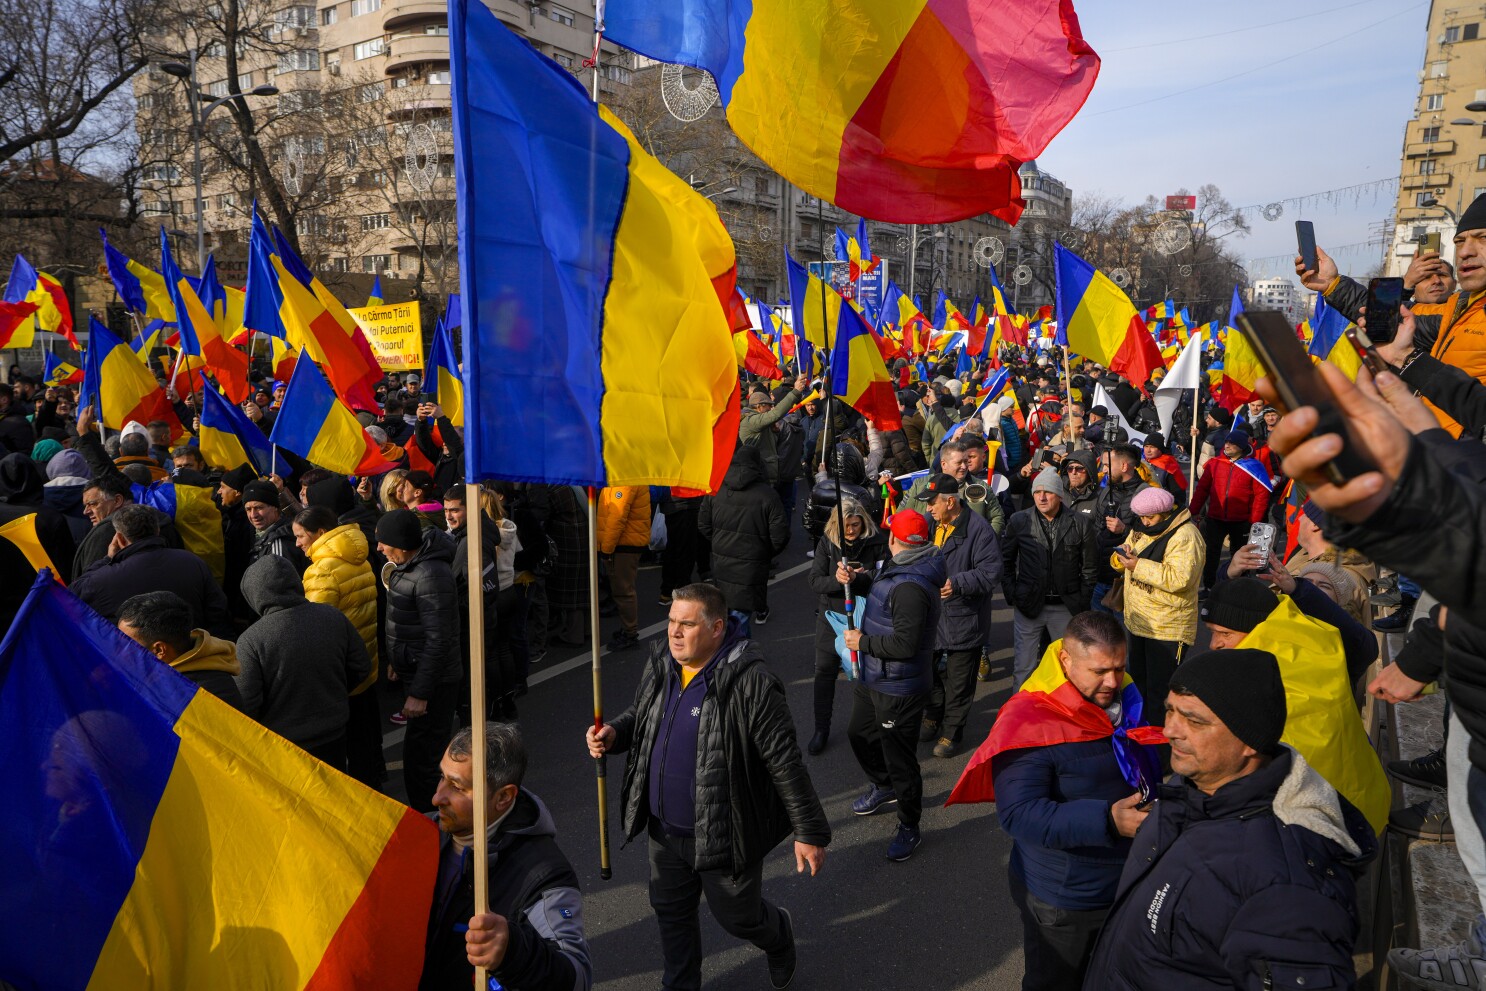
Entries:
{"x":1113,"y":518}
{"x":746,"y":524}
{"x":716,"y":779}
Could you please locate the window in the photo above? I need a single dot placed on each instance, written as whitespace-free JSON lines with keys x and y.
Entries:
{"x":327,"y":16}
{"x":1434,"y":101}
{"x":341,"y":265}
{"x":307,"y":225}
{"x":1452,"y":35}
{"x":375,"y":263}
{"x":438,"y":78}
{"x":226,"y":201}
{"x":218,"y":88}
{"x":374,"y":179}
{"x":215,"y":49}
{"x":563,"y":59}
{"x":1419,"y":198}
{"x":244,"y":82}
{"x":560,"y":14}
{"x":1470,"y":32}
{"x":760,"y":184}
{"x":1430,"y":135}
{"x":375,"y":222}
{"x":1439,"y":70}
{"x":294,"y":17}
{"x":618,"y":73}
{"x":1478,"y":192}
{"x":1426,"y":166}
{"x":299,"y":60}
{"x":368,"y":49}
{"x":160,"y":173}
{"x":436,"y":29}
{"x":371,"y":92}
{"x":1481,"y":163}
{"x":359,"y":7}
{"x":296,"y":100}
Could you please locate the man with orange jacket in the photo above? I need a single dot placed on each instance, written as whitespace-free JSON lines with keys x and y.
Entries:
{"x":623,"y":534}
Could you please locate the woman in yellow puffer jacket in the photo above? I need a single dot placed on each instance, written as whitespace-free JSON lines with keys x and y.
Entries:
{"x":340,"y":576}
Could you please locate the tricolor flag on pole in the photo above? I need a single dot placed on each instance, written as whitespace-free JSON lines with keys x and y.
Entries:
{"x":314,"y":424}
{"x":26,"y":285}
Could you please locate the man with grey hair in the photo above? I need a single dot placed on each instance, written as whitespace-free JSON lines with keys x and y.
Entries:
{"x":138,"y":561}
{"x":532,"y":936}
{"x":716,"y":779}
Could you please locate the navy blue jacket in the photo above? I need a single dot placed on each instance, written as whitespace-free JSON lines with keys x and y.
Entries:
{"x":1054,"y":801}
{"x":1220,"y":892}
{"x":972,"y":559}
{"x":898,"y":625}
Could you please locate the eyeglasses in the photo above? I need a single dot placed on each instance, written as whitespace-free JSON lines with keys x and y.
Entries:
{"x":1077,"y":468}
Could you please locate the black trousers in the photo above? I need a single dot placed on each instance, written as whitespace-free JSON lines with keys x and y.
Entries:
{"x":332,"y":752}
{"x":954,"y":690}
{"x":1056,"y":942}
{"x":423,"y":747}
{"x":884,"y":736}
{"x":364,"y":758}
{"x":686,"y":553}
{"x":1151,"y":665}
{"x":737,"y":904}
{"x":1214,"y":532}
{"x":827,"y":670}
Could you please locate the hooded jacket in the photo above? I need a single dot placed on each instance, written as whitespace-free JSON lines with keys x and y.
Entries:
{"x":300,"y":660}
{"x":212,"y":663}
{"x":423,"y":639}
{"x":1161,"y":596}
{"x":746,"y":523}
{"x":1228,"y":493}
{"x":1044,"y":559}
{"x":1251,"y":887}
{"x":534,"y":888}
{"x":340,"y":576}
{"x":756,"y":430}
{"x":752,"y":789}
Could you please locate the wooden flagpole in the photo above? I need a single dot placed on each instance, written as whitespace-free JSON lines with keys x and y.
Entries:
{"x":475,"y":568}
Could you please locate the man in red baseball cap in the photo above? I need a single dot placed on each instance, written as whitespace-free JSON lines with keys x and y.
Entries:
{"x":896,"y":642}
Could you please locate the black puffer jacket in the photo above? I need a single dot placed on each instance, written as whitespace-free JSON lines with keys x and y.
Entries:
{"x":423,"y":638}
{"x":752,"y":786}
{"x":1114,"y":500}
{"x":1043,"y":559}
{"x":746,"y":523}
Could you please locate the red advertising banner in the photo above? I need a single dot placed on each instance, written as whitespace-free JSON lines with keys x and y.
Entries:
{"x":1181,"y":203}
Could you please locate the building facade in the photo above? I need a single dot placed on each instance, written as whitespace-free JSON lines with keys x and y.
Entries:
{"x":1282,"y":295}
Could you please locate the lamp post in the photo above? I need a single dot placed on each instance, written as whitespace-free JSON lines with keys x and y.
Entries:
{"x":186,"y":72}
{"x":914,"y":241}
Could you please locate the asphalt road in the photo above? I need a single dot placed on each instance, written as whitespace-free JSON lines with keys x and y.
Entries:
{"x":942,"y":920}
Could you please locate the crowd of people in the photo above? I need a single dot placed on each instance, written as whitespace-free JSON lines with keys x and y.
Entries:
{"x":1146,"y":573}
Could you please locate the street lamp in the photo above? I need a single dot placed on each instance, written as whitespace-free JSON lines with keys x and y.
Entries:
{"x":914,"y":241}
{"x":186,"y":73}
{"x":1432,"y":202}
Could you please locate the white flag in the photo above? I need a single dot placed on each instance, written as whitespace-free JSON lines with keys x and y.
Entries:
{"x":1185,"y":374}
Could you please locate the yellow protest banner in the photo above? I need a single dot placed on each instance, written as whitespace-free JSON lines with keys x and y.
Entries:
{"x":395,"y":333}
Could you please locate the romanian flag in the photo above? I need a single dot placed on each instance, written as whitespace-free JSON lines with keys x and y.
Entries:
{"x":947,"y":315}
{"x":117,"y":383}
{"x":912,"y":111}
{"x":1241,"y":368}
{"x":141,"y":288}
{"x":598,"y":289}
{"x":148,"y":339}
{"x":1161,"y":311}
{"x":1329,"y":340}
{"x":197,"y":519}
{"x":995,"y":387}
{"x":155,"y":837}
{"x":55,"y":372}
{"x":900,"y":314}
{"x":314,"y":424}
{"x":200,"y":334}
{"x":858,"y":374}
{"x":374,"y":298}
{"x":52,"y":312}
{"x":1049,"y":711}
{"x":284,"y":359}
{"x":229,"y":438}
{"x":186,"y":376}
{"x":1322,"y":721}
{"x":17,"y":329}
{"x":816,"y":310}
{"x":443,"y":374}
{"x":1096,"y":319}
{"x":980,"y":329}
{"x":224,"y":303}
{"x":855,"y":252}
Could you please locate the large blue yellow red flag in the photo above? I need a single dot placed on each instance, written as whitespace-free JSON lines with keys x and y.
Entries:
{"x":120,"y":387}
{"x":816,"y":306}
{"x":598,"y":289}
{"x":994,"y":388}
{"x":155,"y":837}
{"x":1241,"y":368}
{"x":55,"y":371}
{"x":1096,"y":319}
{"x":854,"y":251}
{"x":196,"y":517}
{"x":444,"y":376}
{"x":53,"y":313}
{"x":858,"y":374}
{"x":140,"y":288}
{"x":17,"y":329}
{"x":374,"y":298}
{"x":848,"y":99}
{"x":314,"y":424}
{"x":1329,"y":340}
{"x":224,"y":303}
{"x":228,"y":438}
{"x":148,"y":339}
{"x":947,"y":316}
{"x":200,"y":334}
{"x":1049,"y":710}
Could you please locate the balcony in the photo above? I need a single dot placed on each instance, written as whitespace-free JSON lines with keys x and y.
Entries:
{"x":1435,"y":180}
{"x":401,"y":14}
{"x":416,"y":49}
{"x":1420,"y":149}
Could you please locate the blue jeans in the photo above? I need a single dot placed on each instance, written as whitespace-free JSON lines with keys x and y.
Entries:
{"x":1096,"y":601}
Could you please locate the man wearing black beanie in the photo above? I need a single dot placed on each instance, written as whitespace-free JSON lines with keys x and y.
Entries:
{"x":1244,"y":874}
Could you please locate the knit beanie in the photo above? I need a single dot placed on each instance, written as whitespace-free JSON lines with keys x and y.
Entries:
{"x":43,"y":451}
{"x":333,"y":493}
{"x":1474,"y":217}
{"x":1239,"y":604}
{"x":1151,"y":501}
{"x":400,"y":529}
{"x":1341,"y":579}
{"x":239,"y":477}
{"x":261,"y":491}
{"x":1048,"y":480}
{"x":1156,"y":441}
{"x":1243,"y":688}
{"x":1238,"y":439}
{"x":1221,"y":416}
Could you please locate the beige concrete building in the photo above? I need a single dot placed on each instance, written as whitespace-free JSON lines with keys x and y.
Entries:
{"x":1444,"y":145}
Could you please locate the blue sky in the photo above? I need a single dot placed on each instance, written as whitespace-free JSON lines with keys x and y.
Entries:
{"x":1321,"y":104}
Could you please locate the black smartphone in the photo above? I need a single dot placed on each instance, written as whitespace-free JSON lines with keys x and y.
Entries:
{"x":1298,"y":383}
{"x":427,"y":397}
{"x":1305,"y":237}
{"x":1384,"y":296}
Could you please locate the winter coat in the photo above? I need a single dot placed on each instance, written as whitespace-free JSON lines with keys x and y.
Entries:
{"x":534,"y":888}
{"x":972,"y":560}
{"x":1250,"y":888}
{"x":1229,"y":494}
{"x":1042,"y":560}
{"x":22,"y":494}
{"x":1169,"y":464}
{"x":756,"y":430}
{"x":212,"y":664}
{"x":278,"y":539}
{"x":1114,"y":500}
{"x":423,"y":641}
{"x":339,"y":575}
{"x":624,"y":519}
{"x":65,"y":495}
{"x":1055,"y":802}
{"x":913,"y":434}
{"x":566,"y":523}
{"x":752,"y":789}
{"x":746,"y":523}
{"x":937,"y":421}
{"x":1161,"y":595}
{"x":300,"y":660}
{"x":900,"y":621}
{"x":149,"y":566}
{"x":94,"y":547}
{"x":16,"y":435}
{"x":868,"y":551}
